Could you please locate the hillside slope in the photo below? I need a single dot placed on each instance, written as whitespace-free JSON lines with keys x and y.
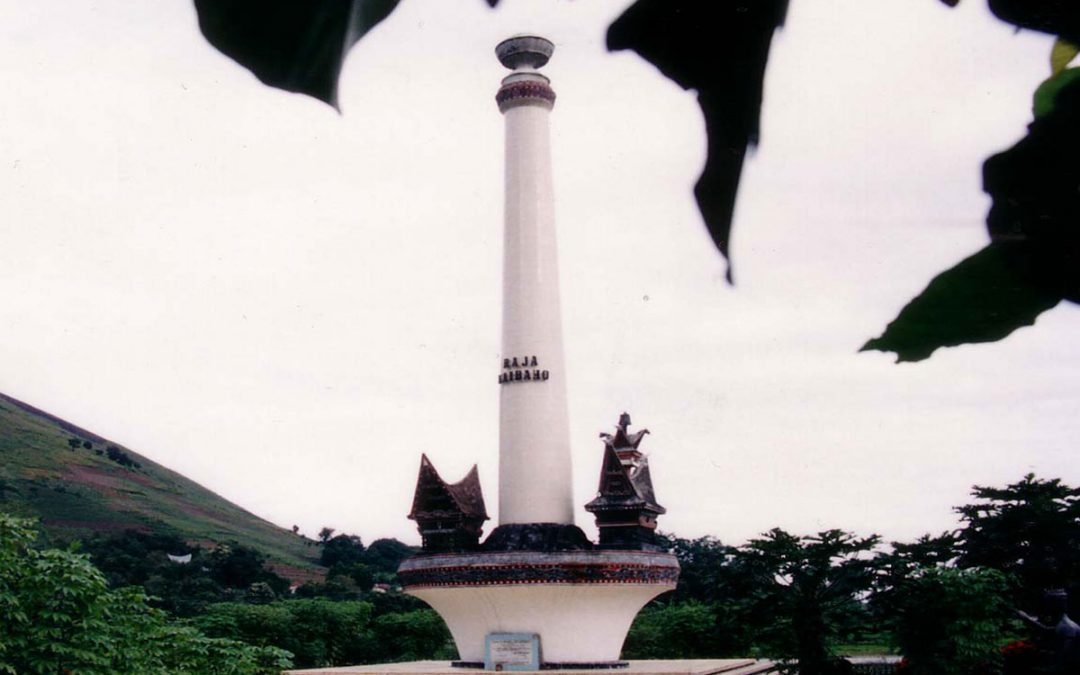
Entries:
{"x":79,"y":483}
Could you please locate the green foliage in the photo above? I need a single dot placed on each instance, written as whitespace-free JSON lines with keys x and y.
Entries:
{"x":1044,"y":99}
{"x":413,"y":636}
{"x":684,"y":630}
{"x":229,"y":572}
{"x":1029,"y":530}
{"x":807,"y":591}
{"x":344,"y":550}
{"x":894,"y":568}
{"x":951,"y":621}
{"x":708,"y":568}
{"x":60,"y":616}
{"x":321,"y":632}
{"x":235,"y":566}
{"x":385,"y":555}
{"x":338,"y":587}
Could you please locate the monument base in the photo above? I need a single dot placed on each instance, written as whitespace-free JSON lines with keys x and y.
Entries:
{"x":579,"y":603}
{"x":682,"y":667}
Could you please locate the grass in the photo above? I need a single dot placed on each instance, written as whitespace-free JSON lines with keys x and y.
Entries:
{"x":78,"y":492}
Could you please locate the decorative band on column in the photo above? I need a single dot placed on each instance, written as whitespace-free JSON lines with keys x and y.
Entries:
{"x":523,"y":93}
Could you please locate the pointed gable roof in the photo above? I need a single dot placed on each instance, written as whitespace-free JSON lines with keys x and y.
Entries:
{"x":434,"y":497}
{"x":622,"y":484}
{"x":614,"y":481}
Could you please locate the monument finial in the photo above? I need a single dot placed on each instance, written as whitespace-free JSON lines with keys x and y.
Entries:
{"x":524,"y":52}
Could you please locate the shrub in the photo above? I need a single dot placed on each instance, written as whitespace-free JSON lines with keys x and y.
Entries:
{"x":60,"y":616}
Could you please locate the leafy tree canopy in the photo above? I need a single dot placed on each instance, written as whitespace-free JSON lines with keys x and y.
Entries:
{"x":1029,"y":530}
{"x":810,"y":587}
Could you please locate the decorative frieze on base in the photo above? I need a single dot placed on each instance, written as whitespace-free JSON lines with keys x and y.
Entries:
{"x":577,"y":567}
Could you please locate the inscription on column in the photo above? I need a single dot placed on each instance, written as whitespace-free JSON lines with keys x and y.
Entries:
{"x":522,"y":369}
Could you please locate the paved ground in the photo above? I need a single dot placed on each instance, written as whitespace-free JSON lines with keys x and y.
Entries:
{"x":686,"y":667}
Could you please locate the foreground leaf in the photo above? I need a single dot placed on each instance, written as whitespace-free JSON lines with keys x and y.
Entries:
{"x":1046,"y":94}
{"x":720,"y":49}
{"x":1033,"y":261}
{"x":295,"y":45}
{"x":1057,"y":17}
{"x":982,"y":299}
{"x":1061,"y":54}
{"x":1034,"y":185}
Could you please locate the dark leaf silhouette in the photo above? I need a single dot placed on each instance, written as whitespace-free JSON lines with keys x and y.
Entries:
{"x":1036,"y":200}
{"x":296,"y":45}
{"x":1057,"y":17}
{"x":984,"y":298}
{"x":1033,"y":260}
{"x":719,"y":49}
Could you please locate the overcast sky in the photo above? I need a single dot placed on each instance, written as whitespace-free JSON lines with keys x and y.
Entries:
{"x":289,"y":306}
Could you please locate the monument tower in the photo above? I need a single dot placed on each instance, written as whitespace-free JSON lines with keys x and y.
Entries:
{"x":534,"y":432}
{"x":536,"y":593}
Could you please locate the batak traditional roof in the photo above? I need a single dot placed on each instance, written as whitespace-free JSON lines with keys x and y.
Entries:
{"x":435,"y":498}
{"x":625,"y":485}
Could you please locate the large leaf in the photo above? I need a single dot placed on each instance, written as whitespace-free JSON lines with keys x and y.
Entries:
{"x":1057,"y":17}
{"x":1044,"y":100}
{"x":296,"y":45}
{"x":1061,"y":54}
{"x":1033,"y":261}
{"x":984,"y":298}
{"x":1034,"y":185}
{"x":719,"y":49}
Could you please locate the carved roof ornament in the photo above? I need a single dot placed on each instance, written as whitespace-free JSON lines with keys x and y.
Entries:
{"x":622,"y":439}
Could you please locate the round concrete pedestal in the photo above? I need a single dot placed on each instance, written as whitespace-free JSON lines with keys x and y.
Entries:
{"x":580,"y":603}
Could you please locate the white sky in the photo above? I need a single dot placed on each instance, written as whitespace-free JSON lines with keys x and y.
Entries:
{"x":289,"y":306}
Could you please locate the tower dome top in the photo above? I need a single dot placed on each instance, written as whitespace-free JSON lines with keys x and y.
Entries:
{"x":524,"y":52}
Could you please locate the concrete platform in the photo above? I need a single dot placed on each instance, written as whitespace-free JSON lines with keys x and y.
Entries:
{"x":682,"y":667}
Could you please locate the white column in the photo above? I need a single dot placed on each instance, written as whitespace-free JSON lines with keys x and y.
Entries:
{"x":535,"y":483}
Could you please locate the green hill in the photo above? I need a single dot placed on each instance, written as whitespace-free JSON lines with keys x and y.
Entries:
{"x":78,"y":483}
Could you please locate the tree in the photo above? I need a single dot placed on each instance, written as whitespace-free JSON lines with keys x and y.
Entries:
{"x":808,"y":593}
{"x":344,"y":550}
{"x":684,"y":630}
{"x":894,"y":568}
{"x":720,"y":49}
{"x":414,"y":636}
{"x":950,"y":621}
{"x":236,"y":566}
{"x":713,"y":582}
{"x":707,"y":571}
{"x":322,"y":632}
{"x":384,"y":556}
{"x":1030,"y":530}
